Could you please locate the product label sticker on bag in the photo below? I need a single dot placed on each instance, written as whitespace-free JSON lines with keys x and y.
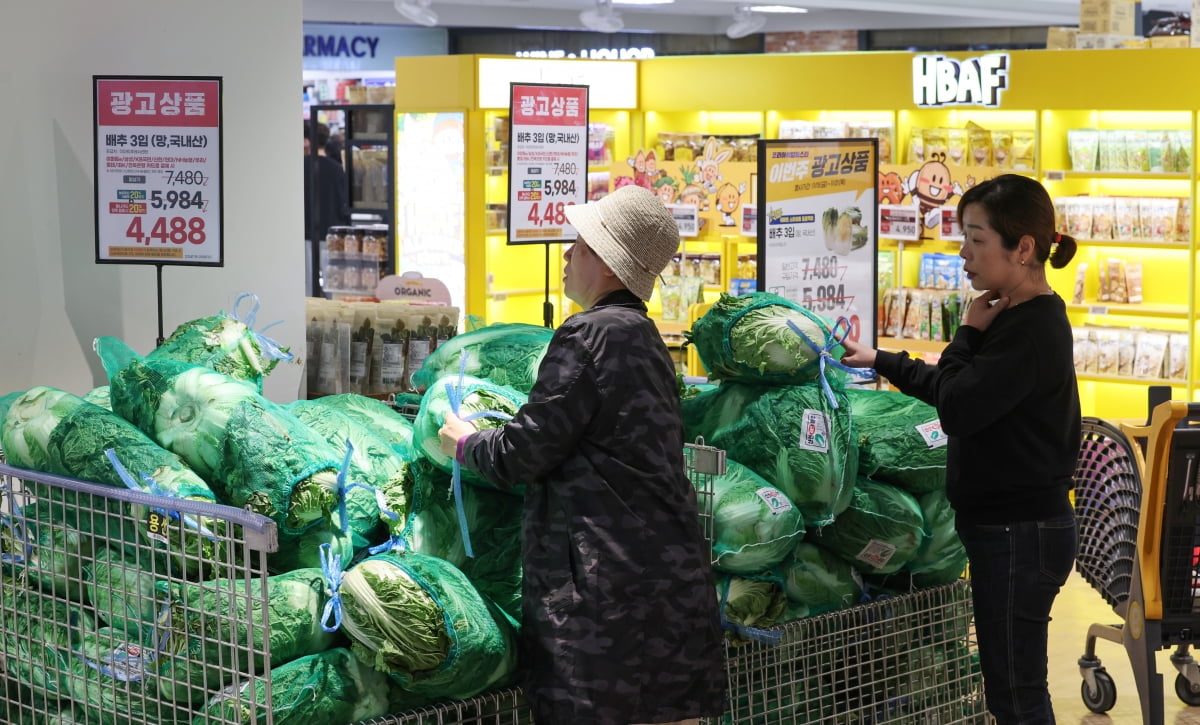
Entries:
{"x":775,"y":500}
{"x":876,"y":553}
{"x":157,"y":526}
{"x":933,"y":434}
{"x":814,"y":431}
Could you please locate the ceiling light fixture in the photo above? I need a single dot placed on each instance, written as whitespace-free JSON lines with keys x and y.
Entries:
{"x":602,"y":18}
{"x":776,"y":9}
{"x":745,"y":23}
{"x":643,"y":2}
{"x":417,"y":11}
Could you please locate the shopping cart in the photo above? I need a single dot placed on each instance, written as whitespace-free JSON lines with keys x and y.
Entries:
{"x":1139,"y":511}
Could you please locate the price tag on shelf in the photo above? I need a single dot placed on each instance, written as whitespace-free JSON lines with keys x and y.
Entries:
{"x":687,"y":218}
{"x":749,"y":220}
{"x":547,"y":161}
{"x":158,"y":170}
{"x":951,"y":231}
{"x":899,"y":221}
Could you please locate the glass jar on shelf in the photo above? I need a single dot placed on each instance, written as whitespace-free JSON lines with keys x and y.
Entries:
{"x":710,"y":269}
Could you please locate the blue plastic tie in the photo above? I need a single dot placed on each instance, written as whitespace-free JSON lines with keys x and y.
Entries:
{"x":770,"y":637}
{"x":454,"y":395}
{"x":270,"y":348}
{"x":149,"y":485}
{"x":394,"y":543}
{"x":331,"y":569}
{"x":841,"y":329}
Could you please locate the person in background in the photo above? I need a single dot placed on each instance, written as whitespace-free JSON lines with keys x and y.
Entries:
{"x":326,"y":200}
{"x":620,"y":614}
{"x":1006,"y":395}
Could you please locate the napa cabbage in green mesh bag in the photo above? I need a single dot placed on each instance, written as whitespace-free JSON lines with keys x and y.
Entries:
{"x":376,"y":415}
{"x":494,"y":405}
{"x":505,"y":353}
{"x":900,"y":439}
{"x":817,"y":581}
{"x":48,"y":543}
{"x":757,"y":337}
{"x":96,"y":396}
{"x":493,"y":521}
{"x":326,"y":688}
{"x":754,"y":523}
{"x":941,"y":558}
{"x":253,"y":452}
{"x":791,"y":435}
{"x":880,"y":532}
{"x":748,"y":605}
{"x":109,"y":681}
{"x":210,"y":629}
{"x":421,"y":620}
{"x":226,"y":343}
{"x":120,"y":585}
{"x":379,"y":478}
{"x":37,"y":631}
{"x":53,"y":431}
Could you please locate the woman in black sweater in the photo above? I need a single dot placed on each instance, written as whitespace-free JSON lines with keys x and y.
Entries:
{"x":1006,"y":395}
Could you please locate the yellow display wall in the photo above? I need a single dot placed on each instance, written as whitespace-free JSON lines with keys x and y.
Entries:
{"x":1047,"y":93}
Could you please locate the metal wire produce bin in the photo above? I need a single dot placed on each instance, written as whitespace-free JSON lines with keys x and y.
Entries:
{"x":139,"y":657}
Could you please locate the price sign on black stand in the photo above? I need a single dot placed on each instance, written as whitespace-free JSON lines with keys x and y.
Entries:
{"x":818,"y":235}
{"x":158,"y":170}
{"x":547,"y":163}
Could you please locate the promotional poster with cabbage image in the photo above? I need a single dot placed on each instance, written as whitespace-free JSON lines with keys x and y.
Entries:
{"x":818,"y":234}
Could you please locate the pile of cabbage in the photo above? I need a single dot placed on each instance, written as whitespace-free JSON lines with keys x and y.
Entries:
{"x":834,"y":494}
{"x":391,"y":588}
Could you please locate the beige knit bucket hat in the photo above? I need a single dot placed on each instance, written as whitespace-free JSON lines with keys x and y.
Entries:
{"x":632,"y":232}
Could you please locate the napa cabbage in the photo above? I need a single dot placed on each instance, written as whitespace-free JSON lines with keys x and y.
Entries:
{"x":754,"y":523}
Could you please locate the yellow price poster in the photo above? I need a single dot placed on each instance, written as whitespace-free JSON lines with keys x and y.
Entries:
{"x":817,"y":206}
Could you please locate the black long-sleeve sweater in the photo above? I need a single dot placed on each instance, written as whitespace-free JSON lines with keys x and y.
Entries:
{"x":1008,"y":400}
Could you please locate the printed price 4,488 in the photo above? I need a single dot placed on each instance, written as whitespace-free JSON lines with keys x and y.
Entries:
{"x":551,"y":213}
{"x":168,"y":230}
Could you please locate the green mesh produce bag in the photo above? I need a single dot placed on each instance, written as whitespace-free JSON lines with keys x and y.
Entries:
{"x":253,"y":452}
{"x":493,"y":520}
{"x":110,"y":683}
{"x":880,"y":532}
{"x":754,"y":523}
{"x":506,"y":353}
{"x":373,"y":463}
{"x":817,"y":581}
{"x":900,"y":440}
{"x":120,"y":585}
{"x":749,"y":604}
{"x":942,"y":557}
{"x":788,"y":434}
{"x":376,"y":415}
{"x":475,"y":397}
{"x":748,"y":339}
{"x":421,"y":620}
{"x":326,"y":688}
{"x":36,"y":638}
{"x":97,"y":396}
{"x":56,"y":432}
{"x":196,"y":656}
{"x":226,"y":343}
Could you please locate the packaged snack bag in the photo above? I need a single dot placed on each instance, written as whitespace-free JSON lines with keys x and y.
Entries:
{"x":979,"y":142}
{"x":1144,"y":229}
{"x":1137,"y":152}
{"x":1177,"y":356}
{"x":1117,"y":290}
{"x":1060,"y":215}
{"x":1083,"y":145}
{"x":1108,"y":342}
{"x":1133,"y":281}
{"x":957,"y":143}
{"x":1151,"y":349}
{"x":916,"y":146}
{"x":1183,"y":221}
{"x":936,"y":142}
{"x":1127,"y":352}
{"x":1125,"y":218}
{"x":1024,"y":150}
{"x":1002,"y":143}
{"x":1157,"y":144}
{"x":1079,"y":217}
{"x":1085,"y":350}
{"x":913,"y":314}
{"x":1166,"y":214}
{"x":1104,"y":291}
{"x":1103,"y":210}
{"x":1080,"y":280}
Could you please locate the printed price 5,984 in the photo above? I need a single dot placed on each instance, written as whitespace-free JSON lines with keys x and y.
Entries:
{"x":168,"y":230}
{"x":176,"y":199}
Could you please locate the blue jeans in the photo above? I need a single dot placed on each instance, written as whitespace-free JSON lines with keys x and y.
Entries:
{"x":1016,"y":571}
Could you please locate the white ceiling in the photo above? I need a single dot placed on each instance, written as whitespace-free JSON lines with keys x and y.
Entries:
{"x":711,"y":17}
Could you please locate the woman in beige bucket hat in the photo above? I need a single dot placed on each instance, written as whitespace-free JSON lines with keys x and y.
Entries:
{"x":619,"y":611}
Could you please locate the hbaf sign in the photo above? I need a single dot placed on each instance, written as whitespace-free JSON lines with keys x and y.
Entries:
{"x":942,"y":81}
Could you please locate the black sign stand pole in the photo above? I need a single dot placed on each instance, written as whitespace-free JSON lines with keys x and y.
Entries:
{"x":159,"y":341}
{"x":547,"y":306}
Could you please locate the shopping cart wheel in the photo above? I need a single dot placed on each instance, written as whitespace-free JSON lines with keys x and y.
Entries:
{"x":1190,"y":694}
{"x":1102,"y":699}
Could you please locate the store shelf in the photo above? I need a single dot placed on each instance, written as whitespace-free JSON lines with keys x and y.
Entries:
{"x":369,"y":139}
{"x":1184,"y":246}
{"x":497,"y":170}
{"x":1098,"y":378}
{"x":1133,"y":310}
{"x":1060,"y":175}
{"x":900,"y":343}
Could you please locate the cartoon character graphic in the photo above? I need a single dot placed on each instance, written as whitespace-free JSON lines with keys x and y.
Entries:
{"x":667,"y":189}
{"x":691,"y":192}
{"x":931,"y":187}
{"x":638,"y":163}
{"x":652,"y":172}
{"x":891,"y":188}
{"x":729,"y":200}
{"x":709,"y":164}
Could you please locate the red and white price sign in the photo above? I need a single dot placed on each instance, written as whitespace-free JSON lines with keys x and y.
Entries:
{"x":898,"y":221}
{"x":158,"y":170}
{"x":547,"y":163}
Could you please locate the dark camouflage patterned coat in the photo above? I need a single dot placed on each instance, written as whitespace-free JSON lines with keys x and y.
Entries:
{"x":620,"y":621}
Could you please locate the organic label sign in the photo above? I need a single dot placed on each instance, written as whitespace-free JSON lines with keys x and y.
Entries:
{"x":547,"y":164}
{"x":158,"y":170}
{"x":817,"y":226}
